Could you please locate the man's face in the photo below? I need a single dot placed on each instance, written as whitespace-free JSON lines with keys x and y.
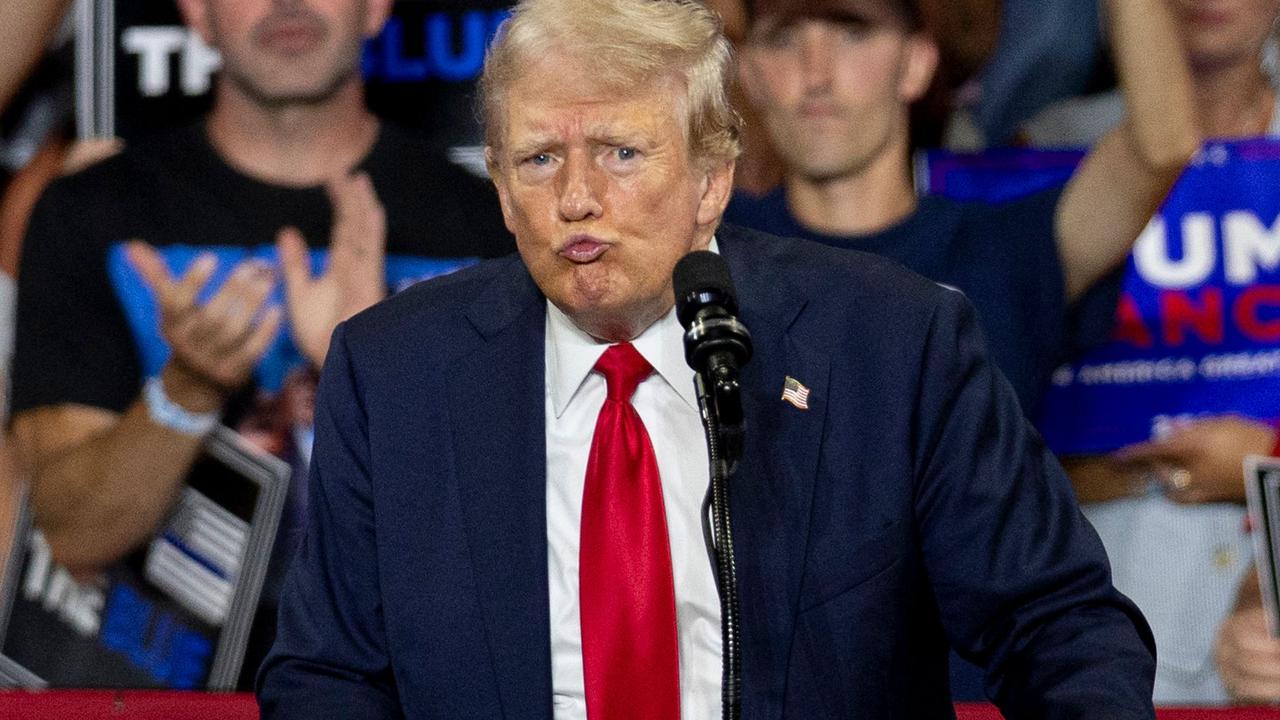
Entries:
{"x":1224,"y":32}
{"x":834,"y":92}
{"x":287,"y":51}
{"x":602,"y":193}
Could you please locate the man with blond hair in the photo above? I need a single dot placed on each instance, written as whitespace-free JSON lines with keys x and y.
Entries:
{"x":505,"y":521}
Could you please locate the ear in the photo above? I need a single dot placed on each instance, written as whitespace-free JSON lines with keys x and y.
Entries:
{"x":376,"y":14}
{"x":716,"y":187}
{"x":195,"y":13}
{"x":500,"y":184}
{"x":920,"y":63}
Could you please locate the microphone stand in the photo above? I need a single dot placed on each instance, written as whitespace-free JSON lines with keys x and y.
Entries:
{"x":724,"y":447}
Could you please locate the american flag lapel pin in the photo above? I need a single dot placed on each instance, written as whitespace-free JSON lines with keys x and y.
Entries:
{"x":794,"y":392}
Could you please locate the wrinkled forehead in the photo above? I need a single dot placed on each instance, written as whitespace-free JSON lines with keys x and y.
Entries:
{"x":870,"y":12}
{"x":560,"y":86}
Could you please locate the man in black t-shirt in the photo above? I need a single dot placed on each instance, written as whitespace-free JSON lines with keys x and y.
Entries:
{"x":150,"y":305}
{"x":834,"y":82}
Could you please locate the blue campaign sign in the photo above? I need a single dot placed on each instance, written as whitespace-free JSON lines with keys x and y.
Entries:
{"x":420,"y":69}
{"x":1198,"y":323}
{"x":283,"y":356}
{"x":995,"y":176}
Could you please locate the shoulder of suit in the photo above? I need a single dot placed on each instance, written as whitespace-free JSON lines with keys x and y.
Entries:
{"x":433,"y":306}
{"x":822,"y":272}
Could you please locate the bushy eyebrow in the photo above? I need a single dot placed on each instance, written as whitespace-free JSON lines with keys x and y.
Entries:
{"x":532,"y":145}
{"x":606,"y":134}
{"x":603,"y":136}
{"x":615,"y":139}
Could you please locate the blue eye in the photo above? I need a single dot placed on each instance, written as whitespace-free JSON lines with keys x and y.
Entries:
{"x":627,"y":153}
{"x":539,"y":159}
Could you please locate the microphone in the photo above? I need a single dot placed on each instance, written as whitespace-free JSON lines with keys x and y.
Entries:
{"x":716,"y":343}
{"x":716,"y":346}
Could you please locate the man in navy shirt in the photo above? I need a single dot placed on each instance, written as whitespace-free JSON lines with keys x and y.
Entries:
{"x":835,"y":82}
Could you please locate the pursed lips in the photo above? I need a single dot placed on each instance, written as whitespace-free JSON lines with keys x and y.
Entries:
{"x":583,"y":248}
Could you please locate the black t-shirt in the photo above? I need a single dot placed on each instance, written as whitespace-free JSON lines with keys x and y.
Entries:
{"x":1003,"y":257}
{"x":73,"y":344}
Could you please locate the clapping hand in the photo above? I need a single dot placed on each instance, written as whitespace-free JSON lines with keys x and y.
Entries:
{"x":214,"y":345}
{"x":355,"y":276}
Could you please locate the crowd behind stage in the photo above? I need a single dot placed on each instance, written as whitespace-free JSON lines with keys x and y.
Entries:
{"x":110,"y":398}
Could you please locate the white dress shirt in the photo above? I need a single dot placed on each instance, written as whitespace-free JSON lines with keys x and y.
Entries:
{"x":667,"y":404}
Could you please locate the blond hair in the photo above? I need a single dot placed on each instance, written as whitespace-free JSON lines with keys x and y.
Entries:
{"x":630,"y":44}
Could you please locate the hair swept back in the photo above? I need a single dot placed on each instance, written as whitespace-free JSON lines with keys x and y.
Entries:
{"x":629,"y":44}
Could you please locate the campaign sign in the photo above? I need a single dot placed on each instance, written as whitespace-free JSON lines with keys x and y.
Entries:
{"x":420,"y":71}
{"x":995,"y":176}
{"x":1198,"y":323}
{"x":283,"y":357}
{"x":1262,"y":495}
{"x":175,"y":613}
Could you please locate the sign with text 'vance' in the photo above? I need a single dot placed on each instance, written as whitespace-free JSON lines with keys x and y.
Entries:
{"x":1198,"y":322}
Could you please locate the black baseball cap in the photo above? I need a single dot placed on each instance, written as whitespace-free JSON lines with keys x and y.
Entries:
{"x":904,"y":11}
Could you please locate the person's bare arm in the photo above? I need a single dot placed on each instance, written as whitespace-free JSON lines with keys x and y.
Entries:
{"x":1128,"y":174}
{"x":101,"y":483}
{"x":25,"y":29}
{"x":1202,"y":460}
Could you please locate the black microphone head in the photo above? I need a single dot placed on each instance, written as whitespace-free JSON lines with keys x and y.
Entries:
{"x":702,"y":278}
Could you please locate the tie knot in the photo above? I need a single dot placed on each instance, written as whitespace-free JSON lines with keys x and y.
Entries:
{"x":623,"y":367}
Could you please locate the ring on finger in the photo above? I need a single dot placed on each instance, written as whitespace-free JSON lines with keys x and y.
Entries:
{"x":1180,"y":478}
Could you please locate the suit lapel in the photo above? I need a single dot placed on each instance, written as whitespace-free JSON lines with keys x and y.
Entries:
{"x":772,"y":493}
{"x":499,"y":441}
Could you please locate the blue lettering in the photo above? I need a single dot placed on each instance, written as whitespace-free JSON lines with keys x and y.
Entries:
{"x":468,"y":63}
{"x":385,"y":58}
{"x":151,"y":654}
{"x":396,"y":67}
{"x":125,"y":617}
{"x":191,"y":655}
{"x":155,"y":641}
{"x":495,"y":21}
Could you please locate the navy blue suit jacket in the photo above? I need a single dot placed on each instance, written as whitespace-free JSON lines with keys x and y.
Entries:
{"x":911,"y":504}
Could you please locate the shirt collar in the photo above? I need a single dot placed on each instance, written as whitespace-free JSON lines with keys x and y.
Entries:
{"x":573,"y":353}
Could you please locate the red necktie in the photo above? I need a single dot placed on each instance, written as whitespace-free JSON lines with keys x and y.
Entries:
{"x":631,"y":664}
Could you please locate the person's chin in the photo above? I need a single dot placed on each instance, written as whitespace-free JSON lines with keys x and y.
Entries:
{"x":605,"y":318}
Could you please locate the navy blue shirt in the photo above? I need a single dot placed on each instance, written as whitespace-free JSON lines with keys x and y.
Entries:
{"x":1003,"y":257}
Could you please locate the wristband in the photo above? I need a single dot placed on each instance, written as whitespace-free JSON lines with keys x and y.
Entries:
{"x":169,"y":414}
